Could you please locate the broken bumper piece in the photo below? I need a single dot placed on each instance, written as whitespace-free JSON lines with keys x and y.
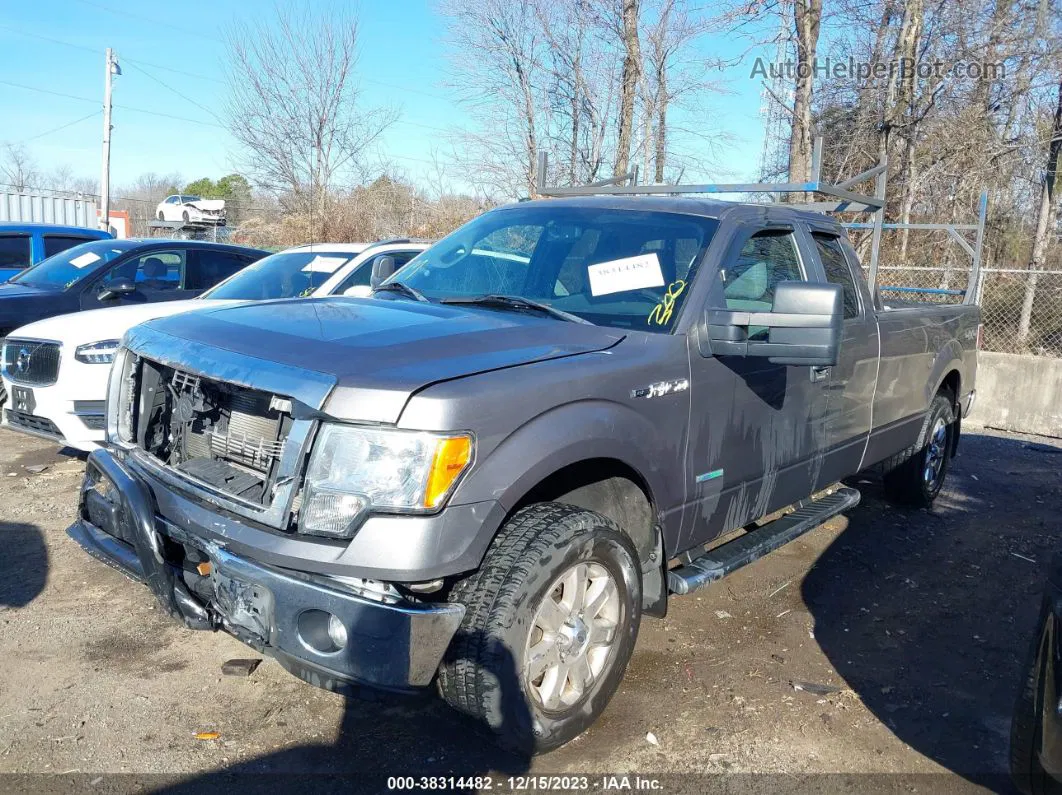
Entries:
{"x":322,"y":632}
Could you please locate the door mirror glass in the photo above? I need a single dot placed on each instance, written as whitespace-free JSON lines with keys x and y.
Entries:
{"x":383,"y":268}
{"x":804,"y":327}
{"x":116,"y":287}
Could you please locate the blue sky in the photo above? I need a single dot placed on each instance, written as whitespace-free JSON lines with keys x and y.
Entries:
{"x":402,"y":63}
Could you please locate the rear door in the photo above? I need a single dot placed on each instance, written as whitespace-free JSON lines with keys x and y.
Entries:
{"x":850,"y":384}
{"x":757,"y":428}
{"x":159,"y":275}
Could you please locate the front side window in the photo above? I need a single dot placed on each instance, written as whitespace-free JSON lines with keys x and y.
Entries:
{"x":156,"y":270}
{"x":14,"y":251}
{"x":766,"y":259}
{"x":612,"y":267}
{"x":362,"y":275}
{"x":837,"y":270}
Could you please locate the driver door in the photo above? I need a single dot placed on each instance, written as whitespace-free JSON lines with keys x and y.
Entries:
{"x":756,"y":428}
{"x":159,"y":275}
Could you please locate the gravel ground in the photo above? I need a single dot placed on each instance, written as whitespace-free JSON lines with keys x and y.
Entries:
{"x":916,"y":623}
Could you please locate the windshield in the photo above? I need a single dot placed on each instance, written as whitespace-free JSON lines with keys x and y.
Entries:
{"x":284,"y":275}
{"x":67,"y":268}
{"x":623,"y":268}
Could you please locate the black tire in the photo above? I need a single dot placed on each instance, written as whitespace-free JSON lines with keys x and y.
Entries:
{"x":906,"y":477}
{"x":1025,"y":725}
{"x":161,"y":215}
{"x":483,"y":672}
{"x":186,"y":216}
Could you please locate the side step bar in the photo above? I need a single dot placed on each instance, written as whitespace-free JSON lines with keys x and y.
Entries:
{"x":721,"y":561}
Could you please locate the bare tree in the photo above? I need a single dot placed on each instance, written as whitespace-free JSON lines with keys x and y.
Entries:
{"x":632,"y":66}
{"x":295,"y":105}
{"x":807,"y":21}
{"x":1044,"y":217}
{"x":18,"y":167}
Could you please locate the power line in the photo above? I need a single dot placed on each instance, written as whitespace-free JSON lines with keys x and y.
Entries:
{"x":61,"y":127}
{"x":174,"y":90}
{"x":125,"y":13}
{"x":123,"y":107}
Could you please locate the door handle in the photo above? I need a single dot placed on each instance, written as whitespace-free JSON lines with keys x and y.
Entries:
{"x":820,"y":373}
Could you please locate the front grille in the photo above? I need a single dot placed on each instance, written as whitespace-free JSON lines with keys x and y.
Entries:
{"x":31,"y":362}
{"x":32,"y":423}
{"x":225,"y":435}
{"x":94,"y":422}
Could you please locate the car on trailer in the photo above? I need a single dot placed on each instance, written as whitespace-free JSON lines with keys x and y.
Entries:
{"x":531,"y":437}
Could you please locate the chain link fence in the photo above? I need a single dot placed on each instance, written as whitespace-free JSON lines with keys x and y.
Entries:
{"x":1021,"y":309}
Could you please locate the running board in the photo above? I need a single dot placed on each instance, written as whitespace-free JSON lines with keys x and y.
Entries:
{"x":717,"y":563}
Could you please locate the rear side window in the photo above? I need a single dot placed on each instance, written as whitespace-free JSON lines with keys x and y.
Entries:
{"x":767,"y":259}
{"x":14,"y":251}
{"x":53,"y":244}
{"x":207,"y":268}
{"x":838,"y":271}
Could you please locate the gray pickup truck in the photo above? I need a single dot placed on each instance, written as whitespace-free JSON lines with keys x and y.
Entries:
{"x":536,"y":432}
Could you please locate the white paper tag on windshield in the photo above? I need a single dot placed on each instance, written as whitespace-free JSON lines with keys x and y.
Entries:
{"x":621,"y":275}
{"x":321,"y":264}
{"x":84,"y":260}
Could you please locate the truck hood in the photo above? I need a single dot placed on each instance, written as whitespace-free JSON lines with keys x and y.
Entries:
{"x":359,"y":359}
{"x":110,"y":323}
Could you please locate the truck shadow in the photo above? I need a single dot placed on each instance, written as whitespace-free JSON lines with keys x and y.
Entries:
{"x":927,"y":615}
{"x":23,"y":564}
{"x":381,"y":737}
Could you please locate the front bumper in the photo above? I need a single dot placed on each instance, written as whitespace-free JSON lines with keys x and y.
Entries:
{"x":68,"y":412}
{"x":392,"y":644}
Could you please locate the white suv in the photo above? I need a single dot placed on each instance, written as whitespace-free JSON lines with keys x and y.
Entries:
{"x":63,"y":400}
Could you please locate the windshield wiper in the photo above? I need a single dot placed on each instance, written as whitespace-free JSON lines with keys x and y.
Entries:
{"x":519,"y":303}
{"x":403,"y":289}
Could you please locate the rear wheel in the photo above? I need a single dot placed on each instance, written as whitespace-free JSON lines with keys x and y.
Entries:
{"x":917,"y":476}
{"x":552,"y":618}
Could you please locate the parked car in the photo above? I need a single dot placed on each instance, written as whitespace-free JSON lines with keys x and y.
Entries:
{"x":191,"y":209}
{"x":23,"y":245}
{"x":485,"y":475}
{"x":115,"y":272}
{"x":1036,"y":727}
{"x":64,"y":401}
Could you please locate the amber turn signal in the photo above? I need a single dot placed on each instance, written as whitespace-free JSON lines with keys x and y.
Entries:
{"x":452,"y":456}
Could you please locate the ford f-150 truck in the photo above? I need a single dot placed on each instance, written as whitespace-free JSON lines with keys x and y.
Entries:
{"x":539,"y":430}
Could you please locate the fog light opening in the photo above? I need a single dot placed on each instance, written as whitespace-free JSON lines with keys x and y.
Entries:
{"x":321,"y":632}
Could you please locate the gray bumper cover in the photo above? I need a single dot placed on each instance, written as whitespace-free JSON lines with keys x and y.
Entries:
{"x":391,"y":645}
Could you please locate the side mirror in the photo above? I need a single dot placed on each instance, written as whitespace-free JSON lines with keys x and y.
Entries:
{"x":116,"y":287}
{"x":803,"y":328}
{"x":383,"y":268}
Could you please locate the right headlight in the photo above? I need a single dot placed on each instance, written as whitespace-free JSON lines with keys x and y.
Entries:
{"x":354,"y":470}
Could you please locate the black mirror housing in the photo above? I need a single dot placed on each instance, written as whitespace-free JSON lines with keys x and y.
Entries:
{"x":118,"y":286}
{"x":804,"y":328}
{"x":382,"y":269}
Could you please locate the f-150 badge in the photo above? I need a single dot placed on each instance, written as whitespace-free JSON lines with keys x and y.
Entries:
{"x":661,"y":388}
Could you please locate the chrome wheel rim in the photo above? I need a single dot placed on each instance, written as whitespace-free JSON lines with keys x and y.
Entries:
{"x":570,"y":642}
{"x":936,"y":451}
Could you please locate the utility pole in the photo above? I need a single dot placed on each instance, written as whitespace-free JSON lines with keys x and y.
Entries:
{"x":110,"y":69}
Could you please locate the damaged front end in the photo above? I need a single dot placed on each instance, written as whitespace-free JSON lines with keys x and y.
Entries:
{"x":332,"y":633}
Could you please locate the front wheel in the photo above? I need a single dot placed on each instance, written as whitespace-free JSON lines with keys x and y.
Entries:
{"x":551,"y":620}
{"x":918,"y":478}
{"x":161,"y":215}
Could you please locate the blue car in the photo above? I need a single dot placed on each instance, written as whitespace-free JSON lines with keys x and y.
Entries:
{"x":22,"y":245}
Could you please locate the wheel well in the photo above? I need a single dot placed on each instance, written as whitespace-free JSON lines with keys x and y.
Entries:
{"x":608,"y":487}
{"x":951,"y":383}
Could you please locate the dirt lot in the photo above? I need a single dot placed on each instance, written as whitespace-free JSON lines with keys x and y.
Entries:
{"x":920,"y":621}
